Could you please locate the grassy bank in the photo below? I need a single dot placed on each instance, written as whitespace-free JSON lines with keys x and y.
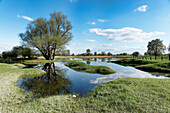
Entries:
{"x":43,"y":61}
{"x":82,"y":67}
{"x":147,"y":65}
{"x":122,"y":95}
{"x":157,"y":67}
{"x":133,"y":62}
{"x":126,"y":95}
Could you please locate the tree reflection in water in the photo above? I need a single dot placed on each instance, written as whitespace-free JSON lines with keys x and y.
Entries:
{"x":51,"y":83}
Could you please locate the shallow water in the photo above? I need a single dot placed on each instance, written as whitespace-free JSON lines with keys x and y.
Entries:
{"x":60,"y":79}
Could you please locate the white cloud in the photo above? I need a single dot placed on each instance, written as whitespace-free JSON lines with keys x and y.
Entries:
{"x":25,"y":17}
{"x":77,"y":44}
{"x":92,"y":23}
{"x":6,"y":46}
{"x":106,"y":45}
{"x":131,"y":49}
{"x":127,"y":34}
{"x":91,"y":40}
{"x":101,"y":20}
{"x":122,"y":49}
{"x":142,"y":8}
{"x":112,"y":50}
{"x":73,"y":0}
{"x":18,"y":16}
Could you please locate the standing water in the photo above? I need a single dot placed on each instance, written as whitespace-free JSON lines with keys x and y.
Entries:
{"x":60,"y":79}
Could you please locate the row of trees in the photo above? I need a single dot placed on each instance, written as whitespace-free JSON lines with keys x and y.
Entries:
{"x":18,"y":51}
{"x":155,"y":48}
{"x":88,"y":53}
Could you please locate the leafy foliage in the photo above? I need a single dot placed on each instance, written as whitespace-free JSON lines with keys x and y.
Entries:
{"x":135,"y":54}
{"x":88,"y":52}
{"x":18,"y":51}
{"x":48,"y":36}
{"x":156,"y":47}
{"x":169,"y":48}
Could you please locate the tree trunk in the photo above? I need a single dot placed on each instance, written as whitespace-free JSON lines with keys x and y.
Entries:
{"x":169,"y":56}
{"x":54,"y":54}
{"x":47,"y":57}
{"x":155,"y":57}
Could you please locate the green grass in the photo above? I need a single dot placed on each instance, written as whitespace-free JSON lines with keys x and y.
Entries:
{"x":9,"y":67}
{"x":12,"y":60}
{"x":165,"y":58}
{"x":133,"y":62}
{"x":43,"y":61}
{"x":147,"y":65}
{"x":126,"y":95}
{"x":158,"y":67}
{"x":82,"y":67}
{"x":121,"y":95}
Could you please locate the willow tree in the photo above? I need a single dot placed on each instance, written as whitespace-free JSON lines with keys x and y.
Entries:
{"x":48,"y":36}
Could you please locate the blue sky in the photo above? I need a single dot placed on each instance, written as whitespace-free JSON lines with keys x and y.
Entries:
{"x":100,"y":25}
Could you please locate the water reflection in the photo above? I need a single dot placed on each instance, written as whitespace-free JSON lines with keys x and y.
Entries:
{"x":109,"y":59}
{"x":103,"y":60}
{"x":122,"y":74}
{"x":51,"y":83}
{"x":60,"y":79}
{"x":88,"y":61}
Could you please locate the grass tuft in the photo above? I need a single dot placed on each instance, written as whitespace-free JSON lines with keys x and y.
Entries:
{"x":82,"y":67}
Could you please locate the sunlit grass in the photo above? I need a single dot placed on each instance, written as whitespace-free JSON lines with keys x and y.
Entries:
{"x":146,"y":65}
{"x":126,"y":95}
{"x":122,"y":95}
{"x":82,"y":67}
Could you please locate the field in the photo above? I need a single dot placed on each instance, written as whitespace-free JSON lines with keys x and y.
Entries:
{"x":122,"y":95}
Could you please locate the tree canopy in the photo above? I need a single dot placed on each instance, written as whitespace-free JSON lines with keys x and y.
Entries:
{"x":88,"y":51}
{"x":156,"y":47}
{"x":48,"y":36}
{"x":136,"y":53}
{"x":18,"y":51}
{"x":169,"y":48}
